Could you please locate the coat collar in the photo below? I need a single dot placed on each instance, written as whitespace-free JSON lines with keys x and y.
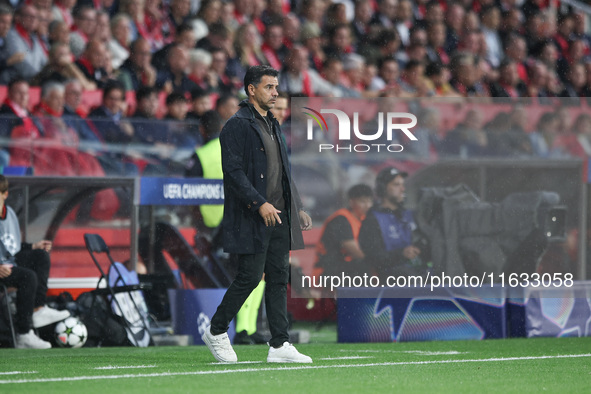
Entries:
{"x":247,"y":111}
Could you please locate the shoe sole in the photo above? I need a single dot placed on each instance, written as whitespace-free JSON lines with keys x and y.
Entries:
{"x":214,"y":353}
{"x":281,"y":360}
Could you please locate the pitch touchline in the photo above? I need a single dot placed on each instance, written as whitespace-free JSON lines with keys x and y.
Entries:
{"x":295,"y":368}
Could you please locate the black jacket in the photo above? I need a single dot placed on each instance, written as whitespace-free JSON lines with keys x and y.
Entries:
{"x":244,"y":163}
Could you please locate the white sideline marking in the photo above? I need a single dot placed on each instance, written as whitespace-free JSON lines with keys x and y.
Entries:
{"x":239,"y":362}
{"x":16,"y":372}
{"x":126,"y":366}
{"x":419,"y":352}
{"x":297,"y":368}
{"x":345,"y":358}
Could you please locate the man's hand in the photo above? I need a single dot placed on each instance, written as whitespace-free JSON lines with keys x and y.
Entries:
{"x":45,"y":245}
{"x":270,"y":214}
{"x":305,"y":220}
{"x":411,"y":252}
{"x":5,"y":270}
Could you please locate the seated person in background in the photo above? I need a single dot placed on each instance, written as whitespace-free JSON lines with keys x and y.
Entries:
{"x":25,"y":266}
{"x":200,"y":103}
{"x":6,"y":60}
{"x":61,"y":68}
{"x":385,"y":236}
{"x":93,"y":63}
{"x":14,"y":113}
{"x":338,"y":251}
{"x":148,"y":128}
{"x":22,"y":38}
{"x":109,"y":118}
{"x":184,"y":133}
{"x":175,"y":78}
{"x":137,"y":71}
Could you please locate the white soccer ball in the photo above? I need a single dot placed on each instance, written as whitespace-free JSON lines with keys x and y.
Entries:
{"x":71,"y":333}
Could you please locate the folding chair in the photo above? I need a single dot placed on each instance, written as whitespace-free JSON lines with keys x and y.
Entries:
{"x":8,"y":312}
{"x":96,"y":245}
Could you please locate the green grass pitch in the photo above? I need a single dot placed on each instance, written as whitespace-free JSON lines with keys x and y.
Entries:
{"x":513,"y":365}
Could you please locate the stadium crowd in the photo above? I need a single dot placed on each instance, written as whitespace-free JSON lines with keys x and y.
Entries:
{"x":195,"y":53}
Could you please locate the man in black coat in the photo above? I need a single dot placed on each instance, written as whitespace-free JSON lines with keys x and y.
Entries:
{"x":263,"y":218}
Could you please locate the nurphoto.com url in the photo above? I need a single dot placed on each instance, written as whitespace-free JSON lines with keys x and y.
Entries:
{"x":434,"y":281}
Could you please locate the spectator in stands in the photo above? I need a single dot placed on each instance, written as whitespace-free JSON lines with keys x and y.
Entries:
{"x":6,"y":60}
{"x":563,"y":34}
{"x":332,"y":72}
{"x":83,"y":29}
{"x":436,"y":35}
{"x":49,"y":112}
{"x":361,"y":29}
{"x":93,"y":63}
{"x":575,"y":54}
{"x":516,"y":50}
{"x":59,"y":32}
{"x":147,"y":128}
{"x":575,"y":81}
{"x":544,"y":136}
{"x":185,"y":37}
{"x":437,"y":80}
{"x":537,"y":80}
{"x":137,"y":70}
{"x":404,"y":20}
{"x":175,"y":77}
{"x":200,"y":103}
{"x":291,"y":29}
{"x":281,"y":108}
{"x":142,"y":25}
{"x":298,"y":77}
{"x":385,"y":14}
{"x":340,"y":42}
{"x":388,"y":74}
{"x":273,"y":48}
{"x":429,"y":140}
{"x":468,"y":139}
{"x":576,"y":142}
{"x":62,"y":11}
{"x":454,"y":19}
{"x":119,"y":44}
{"x":74,"y":116}
{"x":184,"y":134}
{"x":338,"y":251}
{"x":412,"y":81}
{"x":42,"y":30}
{"x":226,"y":106}
{"x":199,"y":69}
{"x":386,"y":233}
{"x":61,"y":68}
{"x":220,"y":82}
{"x":547,"y":53}
{"x":219,"y":36}
{"x":311,"y":38}
{"x":509,"y":84}
{"x":491,"y":20}
{"x":247,"y":49}
{"x":26,"y":267}
{"x":109,"y":118}
{"x":210,"y":12}
{"x":23,"y":39}
{"x":14,"y":111}
{"x":178,"y":14}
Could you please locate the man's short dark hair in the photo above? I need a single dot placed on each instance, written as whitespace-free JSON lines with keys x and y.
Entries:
{"x":211,"y":121}
{"x":3,"y":184}
{"x":359,"y":191}
{"x":198,"y":93}
{"x":15,"y":81}
{"x":223,"y":99}
{"x":112,"y":84}
{"x":175,"y":97}
{"x":5,"y":9}
{"x":145,"y":92}
{"x":255,"y":73}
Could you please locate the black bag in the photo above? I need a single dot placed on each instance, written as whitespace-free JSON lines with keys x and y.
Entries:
{"x":104,"y":327}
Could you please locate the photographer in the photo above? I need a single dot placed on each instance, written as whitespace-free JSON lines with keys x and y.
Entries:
{"x":386,"y":235}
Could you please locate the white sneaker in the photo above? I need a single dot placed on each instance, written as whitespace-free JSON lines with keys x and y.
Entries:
{"x":46,"y":316}
{"x":219,"y":346}
{"x":287,"y":354}
{"x":31,"y":341}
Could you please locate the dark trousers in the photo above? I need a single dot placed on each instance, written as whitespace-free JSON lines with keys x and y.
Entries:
{"x":38,"y":261}
{"x":25,"y":281}
{"x":274,"y":262}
